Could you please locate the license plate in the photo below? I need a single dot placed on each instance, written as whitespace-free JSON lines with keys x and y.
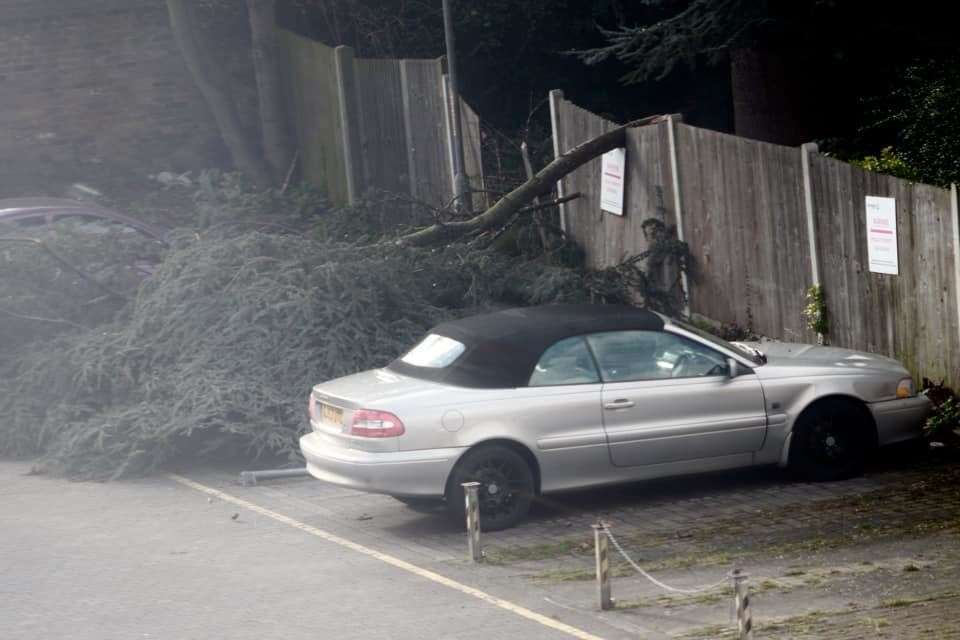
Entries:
{"x":329,"y":413}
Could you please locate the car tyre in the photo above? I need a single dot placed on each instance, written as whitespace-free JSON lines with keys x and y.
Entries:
{"x":506,"y":487}
{"x":830,"y":441}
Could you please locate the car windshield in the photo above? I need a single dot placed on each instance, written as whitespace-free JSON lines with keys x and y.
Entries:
{"x":754,"y":355}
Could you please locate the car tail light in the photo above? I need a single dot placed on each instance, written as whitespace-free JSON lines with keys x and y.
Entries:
{"x":368,"y":423}
{"x":905,"y":388}
{"x":312,"y":409}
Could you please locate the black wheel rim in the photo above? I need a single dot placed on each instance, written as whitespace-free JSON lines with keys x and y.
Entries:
{"x":502,"y":486}
{"x":829,"y":443}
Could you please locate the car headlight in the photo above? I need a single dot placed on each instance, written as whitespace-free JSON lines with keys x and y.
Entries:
{"x":905,"y":388}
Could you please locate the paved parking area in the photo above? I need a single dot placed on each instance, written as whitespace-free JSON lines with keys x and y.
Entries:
{"x":209,"y":558}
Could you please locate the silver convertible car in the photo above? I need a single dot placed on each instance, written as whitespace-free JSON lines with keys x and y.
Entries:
{"x":552,"y":398}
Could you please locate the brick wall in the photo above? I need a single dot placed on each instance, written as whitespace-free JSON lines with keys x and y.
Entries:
{"x":95,"y":90}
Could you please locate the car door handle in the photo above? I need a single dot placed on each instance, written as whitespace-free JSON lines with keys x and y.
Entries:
{"x":621,"y":403}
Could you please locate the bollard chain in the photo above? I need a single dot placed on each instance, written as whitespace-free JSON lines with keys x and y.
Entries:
{"x":639,"y":569}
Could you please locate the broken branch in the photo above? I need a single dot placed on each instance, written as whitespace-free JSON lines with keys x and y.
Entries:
{"x":540,"y":185}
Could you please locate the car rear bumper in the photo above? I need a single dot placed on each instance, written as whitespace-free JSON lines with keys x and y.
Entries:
{"x":899,"y":420}
{"x":400,"y":473}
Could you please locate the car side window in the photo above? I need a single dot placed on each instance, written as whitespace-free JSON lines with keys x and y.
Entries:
{"x":566,"y":362}
{"x":626,"y":356}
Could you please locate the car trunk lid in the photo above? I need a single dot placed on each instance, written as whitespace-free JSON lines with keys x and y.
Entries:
{"x":338,"y":400}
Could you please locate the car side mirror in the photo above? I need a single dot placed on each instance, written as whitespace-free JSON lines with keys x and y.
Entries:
{"x":733,"y":368}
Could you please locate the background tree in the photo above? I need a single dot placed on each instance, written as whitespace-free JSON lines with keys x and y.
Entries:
{"x":798,"y":69}
{"x":920,"y":115}
{"x":264,"y":158}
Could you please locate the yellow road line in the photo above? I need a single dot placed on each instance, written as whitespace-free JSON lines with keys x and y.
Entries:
{"x":383,"y":557}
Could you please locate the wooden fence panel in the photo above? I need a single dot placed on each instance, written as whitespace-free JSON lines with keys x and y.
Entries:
{"x":425,"y":117}
{"x":911,"y":316}
{"x":584,"y":219}
{"x":312,"y":88}
{"x":936,"y":354}
{"x":745,"y":222}
{"x":394,"y":115}
{"x":648,"y":193}
{"x":383,"y":143}
{"x":473,"y":154}
{"x":745,"y":219}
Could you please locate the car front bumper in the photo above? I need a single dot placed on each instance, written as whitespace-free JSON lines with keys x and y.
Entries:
{"x":400,"y":473}
{"x":899,"y":420}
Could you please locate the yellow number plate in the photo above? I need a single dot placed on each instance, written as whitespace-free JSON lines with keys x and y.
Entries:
{"x":329,"y":413}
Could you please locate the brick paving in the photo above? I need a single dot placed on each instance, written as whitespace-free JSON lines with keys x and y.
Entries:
{"x":813,"y":551}
{"x":932,"y":618}
{"x":744,"y":508}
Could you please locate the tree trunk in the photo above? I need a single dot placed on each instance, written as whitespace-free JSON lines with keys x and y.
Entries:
{"x":768,"y":102}
{"x":273,"y":121}
{"x":539,"y":185}
{"x":213,"y":87}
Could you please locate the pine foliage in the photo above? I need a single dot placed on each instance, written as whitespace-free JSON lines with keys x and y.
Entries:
{"x":215,"y":354}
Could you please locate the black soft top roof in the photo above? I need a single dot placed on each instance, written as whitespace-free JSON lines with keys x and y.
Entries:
{"x":503,"y":347}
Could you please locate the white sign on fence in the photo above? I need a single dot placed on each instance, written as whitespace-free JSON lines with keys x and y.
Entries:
{"x":613,"y":169}
{"x":882,"y":235}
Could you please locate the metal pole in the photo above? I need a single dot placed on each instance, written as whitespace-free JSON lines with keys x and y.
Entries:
{"x":250,"y":478}
{"x":459,"y":176}
{"x":470,"y":495}
{"x":741,"y":600}
{"x":600,"y":545}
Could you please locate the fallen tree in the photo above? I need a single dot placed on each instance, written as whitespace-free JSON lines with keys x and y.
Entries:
{"x":216,"y":353}
{"x":538,"y":186}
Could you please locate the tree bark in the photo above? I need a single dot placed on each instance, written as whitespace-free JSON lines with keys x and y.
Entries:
{"x":539,"y":185}
{"x":207,"y":78}
{"x":273,"y":121}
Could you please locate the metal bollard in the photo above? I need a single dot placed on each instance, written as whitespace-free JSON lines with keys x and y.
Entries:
{"x":741,"y":600}
{"x":471,"y":496}
{"x":600,"y":545}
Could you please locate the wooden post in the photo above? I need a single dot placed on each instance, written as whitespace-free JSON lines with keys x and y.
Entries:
{"x":472,"y":507}
{"x":556,"y":97}
{"x":602,"y":551}
{"x":741,"y":602}
{"x":349,"y":120}
{"x":677,"y":202}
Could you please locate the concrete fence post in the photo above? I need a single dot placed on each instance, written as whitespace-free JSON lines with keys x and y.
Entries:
{"x":672,"y":121}
{"x":409,"y":104}
{"x":805,"y":151}
{"x":349,"y":120}
{"x":556,"y":98}
{"x":471,"y":492}
{"x":602,"y":550}
{"x":955,"y":225}
{"x":741,"y":600}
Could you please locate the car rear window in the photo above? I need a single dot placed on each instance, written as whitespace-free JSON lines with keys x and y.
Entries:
{"x":434,"y":352}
